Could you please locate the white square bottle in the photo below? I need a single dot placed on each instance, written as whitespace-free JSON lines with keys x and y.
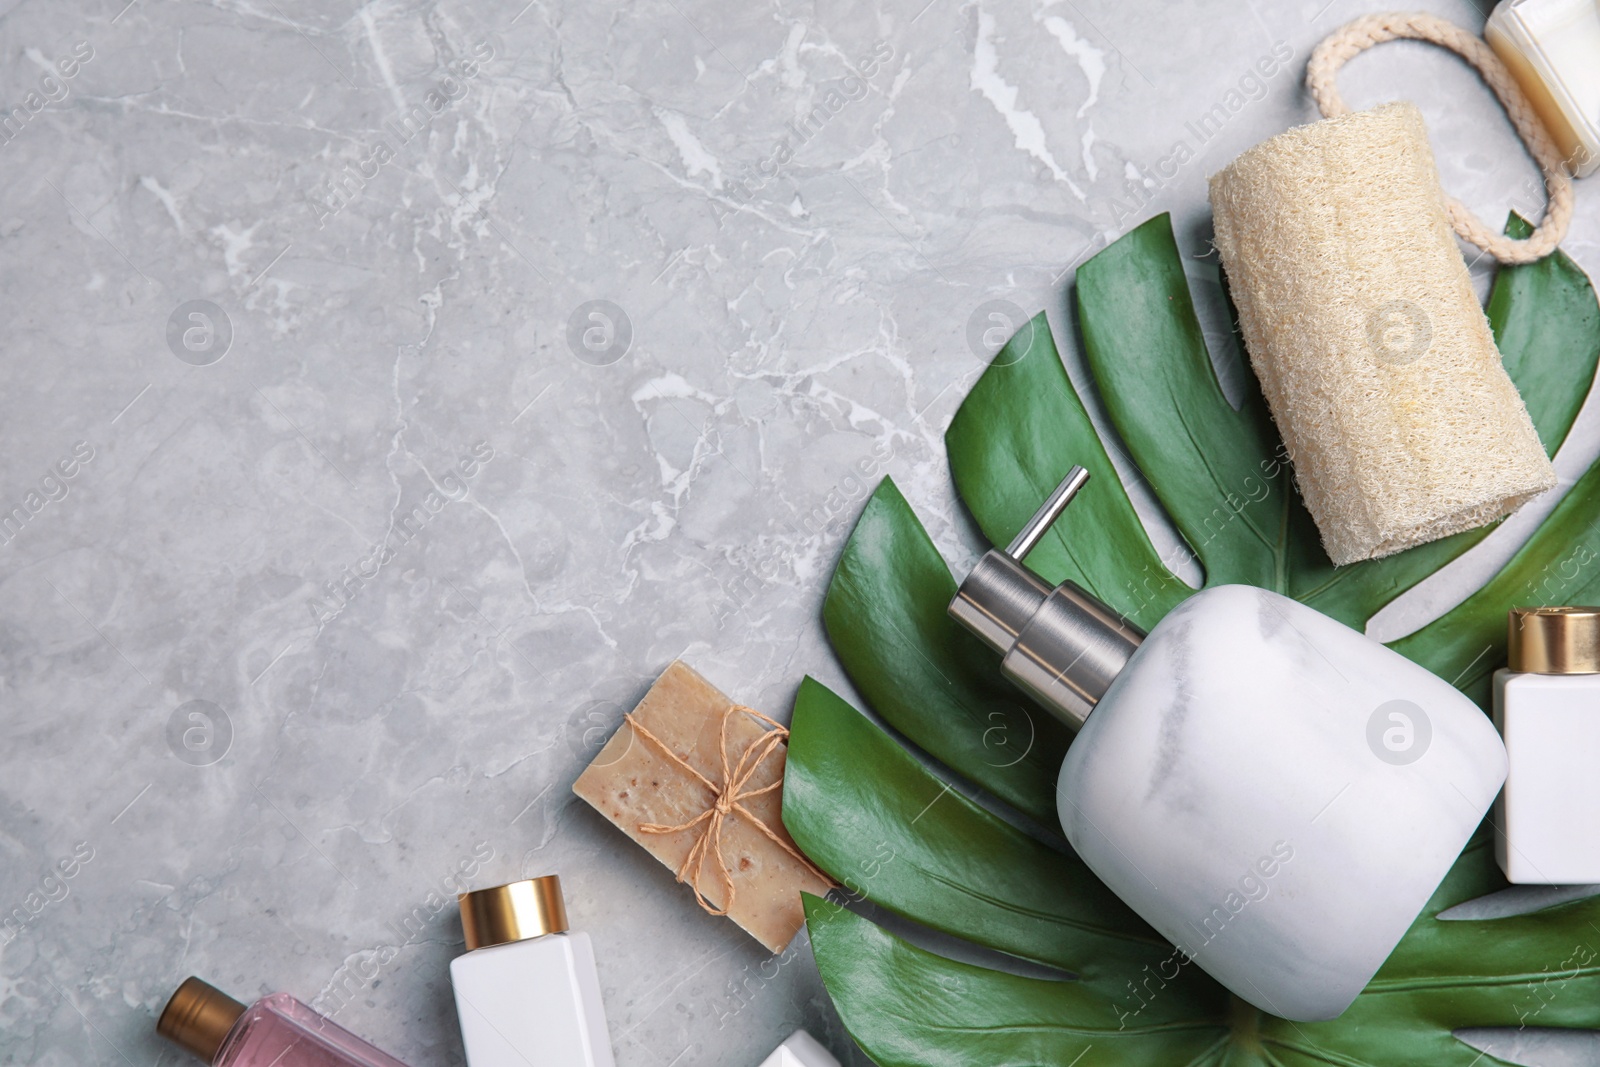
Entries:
{"x":526,"y":989}
{"x":1547,"y":709}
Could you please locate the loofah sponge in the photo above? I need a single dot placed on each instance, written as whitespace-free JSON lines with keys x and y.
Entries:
{"x":1363,"y":328}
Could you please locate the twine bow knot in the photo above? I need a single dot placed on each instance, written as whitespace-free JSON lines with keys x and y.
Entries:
{"x":727,"y":800}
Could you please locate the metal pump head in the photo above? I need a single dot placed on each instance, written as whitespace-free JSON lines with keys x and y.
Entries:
{"x":1061,"y":645}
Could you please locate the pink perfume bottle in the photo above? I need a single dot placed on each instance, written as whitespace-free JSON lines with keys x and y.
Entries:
{"x":276,"y":1030}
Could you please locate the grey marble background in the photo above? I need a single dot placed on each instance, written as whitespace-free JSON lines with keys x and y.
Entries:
{"x":398,"y":314}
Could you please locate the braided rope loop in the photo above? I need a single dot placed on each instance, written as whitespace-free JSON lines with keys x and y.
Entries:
{"x":1357,"y":36}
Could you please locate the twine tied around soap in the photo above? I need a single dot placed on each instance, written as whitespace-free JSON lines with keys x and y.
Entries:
{"x":1360,"y":34}
{"x":726,"y":800}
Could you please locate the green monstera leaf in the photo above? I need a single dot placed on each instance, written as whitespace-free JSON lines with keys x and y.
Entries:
{"x":1106,"y":988}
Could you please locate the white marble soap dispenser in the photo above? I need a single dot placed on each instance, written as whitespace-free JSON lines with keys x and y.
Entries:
{"x":1275,"y":793}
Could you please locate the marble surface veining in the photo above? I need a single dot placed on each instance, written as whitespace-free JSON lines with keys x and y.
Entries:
{"x":430,"y":373}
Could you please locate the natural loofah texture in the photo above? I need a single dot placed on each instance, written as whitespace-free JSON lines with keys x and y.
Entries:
{"x":1363,"y":328}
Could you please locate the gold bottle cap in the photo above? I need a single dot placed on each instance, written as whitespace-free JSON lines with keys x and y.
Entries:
{"x":198,"y":1018}
{"x":514,"y":912}
{"x":1554,"y":641}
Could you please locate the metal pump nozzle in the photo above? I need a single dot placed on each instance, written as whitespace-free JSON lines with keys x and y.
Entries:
{"x":1061,"y":645}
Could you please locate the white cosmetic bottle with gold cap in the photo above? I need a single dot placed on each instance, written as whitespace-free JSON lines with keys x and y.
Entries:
{"x":1547,"y":709}
{"x":526,"y":989}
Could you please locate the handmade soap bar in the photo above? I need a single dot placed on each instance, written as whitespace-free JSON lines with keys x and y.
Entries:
{"x":1363,"y":328}
{"x":659,"y":779}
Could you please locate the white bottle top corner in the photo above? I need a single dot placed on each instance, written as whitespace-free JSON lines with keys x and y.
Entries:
{"x":800,"y":1050}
